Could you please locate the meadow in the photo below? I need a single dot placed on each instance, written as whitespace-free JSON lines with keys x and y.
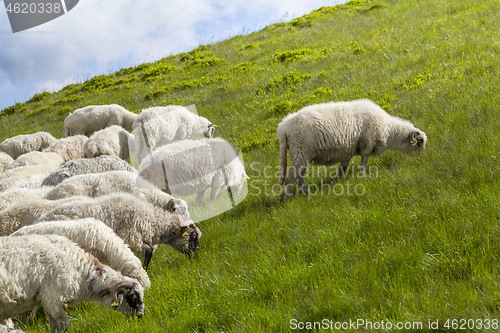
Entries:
{"x":415,"y":240}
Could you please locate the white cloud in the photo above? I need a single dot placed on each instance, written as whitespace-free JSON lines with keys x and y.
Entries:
{"x":102,"y":35}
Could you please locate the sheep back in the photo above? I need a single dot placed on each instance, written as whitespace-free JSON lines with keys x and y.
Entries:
{"x":25,"y":143}
{"x":69,"y":148}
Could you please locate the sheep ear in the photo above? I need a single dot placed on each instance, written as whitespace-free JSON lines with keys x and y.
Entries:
{"x":118,"y":299}
{"x":414,"y":136}
{"x":118,"y":293}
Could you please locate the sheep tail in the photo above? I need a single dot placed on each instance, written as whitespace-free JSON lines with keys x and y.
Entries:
{"x":283,"y":150}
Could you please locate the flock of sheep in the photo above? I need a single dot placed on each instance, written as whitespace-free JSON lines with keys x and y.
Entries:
{"x":76,"y":218}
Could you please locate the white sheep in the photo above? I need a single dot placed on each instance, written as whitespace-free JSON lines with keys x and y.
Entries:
{"x":159,"y":126}
{"x":23,"y":144}
{"x":44,"y":169}
{"x":96,"y":238}
{"x":192,"y":166}
{"x":331,"y":133}
{"x":69,"y":148}
{"x":15,"y":194}
{"x":86,"y":165}
{"x":37,"y":158}
{"x":5,"y":161}
{"x":51,"y":271}
{"x":140,"y":224}
{"x":112,"y":140}
{"x":29,"y":211}
{"x":92,"y":118}
{"x":99,"y":184}
{"x":30,"y":181}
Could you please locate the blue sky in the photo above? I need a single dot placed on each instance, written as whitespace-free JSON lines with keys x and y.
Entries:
{"x":102,"y":36}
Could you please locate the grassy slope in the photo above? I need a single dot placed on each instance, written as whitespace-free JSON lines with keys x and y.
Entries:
{"x":420,"y":243}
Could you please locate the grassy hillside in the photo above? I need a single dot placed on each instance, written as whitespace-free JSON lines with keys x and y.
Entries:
{"x":415,"y":240}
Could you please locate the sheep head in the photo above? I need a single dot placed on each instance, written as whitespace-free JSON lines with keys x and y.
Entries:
{"x":128,"y":298}
{"x":178,"y":206}
{"x":418,"y":139}
{"x":185,"y":238}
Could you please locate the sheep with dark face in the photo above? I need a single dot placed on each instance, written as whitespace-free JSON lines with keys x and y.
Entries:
{"x":140,"y":224}
{"x":97,"y":239}
{"x":330,"y":133}
{"x":51,"y":271}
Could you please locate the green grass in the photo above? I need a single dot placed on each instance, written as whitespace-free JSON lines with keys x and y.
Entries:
{"x":422,"y":240}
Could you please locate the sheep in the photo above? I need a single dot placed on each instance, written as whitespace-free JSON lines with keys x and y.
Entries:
{"x":23,"y":144}
{"x":44,"y":169}
{"x":140,"y":224}
{"x":5,"y":161}
{"x":16,"y":194}
{"x":158,"y":126}
{"x":109,"y":141}
{"x":30,"y":181}
{"x":99,"y":184}
{"x":51,"y":271}
{"x":331,"y":133}
{"x":36,"y":158}
{"x":29,"y":211}
{"x":96,"y":238}
{"x":84,"y":166}
{"x":192,"y":166}
{"x":92,"y":118}
{"x":69,"y":148}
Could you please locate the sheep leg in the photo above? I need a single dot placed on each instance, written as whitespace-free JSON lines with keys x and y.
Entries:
{"x":301,"y":183}
{"x":293,"y":173}
{"x":342,"y":170}
{"x":214,"y":192}
{"x":200,"y":195}
{"x":58,"y":321}
{"x":364,"y":162}
{"x":148,"y":254}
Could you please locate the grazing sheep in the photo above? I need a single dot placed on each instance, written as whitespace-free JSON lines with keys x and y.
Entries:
{"x":30,"y":181}
{"x":37,"y":158}
{"x":51,"y":271}
{"x":192,"y":166}
{"x":5,"y":161}
{"x":92,"y":118}
{"x":99,"y":184}
{"x":43,"y":169}
{"x":97,"y":239}
{"x":109,"y":141}
{"x":15,"y":194}
{"x":140,"y":224}
{"x":69,"y":148}
{"x":331,"y":133}
{"x":29,"y":211}
{"x":23,"y":144}
{"x":158,"y":126}
{"x":86,"y":165}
